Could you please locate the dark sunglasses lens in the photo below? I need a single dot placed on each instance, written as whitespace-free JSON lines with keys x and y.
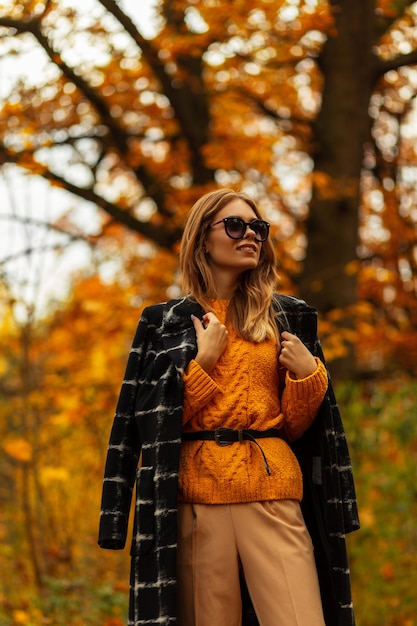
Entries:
{"x":235,"y":227}
{"x":261,"y":229}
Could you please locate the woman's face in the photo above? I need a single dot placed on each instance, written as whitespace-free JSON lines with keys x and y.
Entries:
{"x":229,"y":257}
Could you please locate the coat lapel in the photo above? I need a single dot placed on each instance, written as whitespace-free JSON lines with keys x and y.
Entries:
{"x":178,"y":334}
{"x":299,"y":320}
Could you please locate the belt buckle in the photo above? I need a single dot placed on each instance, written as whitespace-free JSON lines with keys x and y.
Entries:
{"x":221,"y":430}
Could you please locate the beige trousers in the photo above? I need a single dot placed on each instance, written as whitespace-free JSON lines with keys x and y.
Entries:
{"x":269,"y":541}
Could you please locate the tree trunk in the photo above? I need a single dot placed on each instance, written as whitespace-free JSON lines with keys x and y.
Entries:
{"x":341,"y":129}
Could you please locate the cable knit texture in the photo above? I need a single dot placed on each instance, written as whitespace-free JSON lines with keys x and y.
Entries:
{"x":242,"y":392}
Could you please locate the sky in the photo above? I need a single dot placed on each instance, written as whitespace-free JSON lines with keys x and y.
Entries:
{"x":37,"y":267}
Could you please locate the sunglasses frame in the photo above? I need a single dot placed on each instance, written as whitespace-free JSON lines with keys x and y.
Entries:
{"x":225,"y":221}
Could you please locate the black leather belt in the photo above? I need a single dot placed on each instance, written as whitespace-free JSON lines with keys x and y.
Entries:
{"x":226,"y":436}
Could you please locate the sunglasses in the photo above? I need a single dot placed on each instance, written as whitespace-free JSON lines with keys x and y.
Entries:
{"x":235,"y":228}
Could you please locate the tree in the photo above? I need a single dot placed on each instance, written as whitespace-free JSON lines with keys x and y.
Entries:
{"x":304,"y":105}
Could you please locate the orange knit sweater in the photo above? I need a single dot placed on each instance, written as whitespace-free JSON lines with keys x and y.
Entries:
{"x":243,"y":392}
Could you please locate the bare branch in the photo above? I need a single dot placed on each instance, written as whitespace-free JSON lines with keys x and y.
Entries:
{"x":28,"y":252}
{"x":159,"y":234}
{"x":29,"y":221}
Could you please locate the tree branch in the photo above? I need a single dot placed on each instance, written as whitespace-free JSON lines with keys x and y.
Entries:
{"x":269,"y":111}
{"x":117,"y":133}
{"x":382,"y":66}
{"x":159,"y":234}
{"x":33,"y":26}
{"x":189,"y":105}
{"x":29,"y":221}
{"x":29,"y":251}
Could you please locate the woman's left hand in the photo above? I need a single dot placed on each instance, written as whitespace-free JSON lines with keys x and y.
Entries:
{"x":295,"y":356}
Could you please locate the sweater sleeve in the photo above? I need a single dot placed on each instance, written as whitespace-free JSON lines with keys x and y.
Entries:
{"x":199,"y":389}
{"x":301,"y":400}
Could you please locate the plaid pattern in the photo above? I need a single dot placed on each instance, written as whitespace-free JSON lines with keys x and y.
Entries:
{"x":329,"y":503}
{"x":148,"y":423}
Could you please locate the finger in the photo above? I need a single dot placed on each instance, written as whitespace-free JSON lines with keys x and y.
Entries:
{"x":209,"y":317}
{"x":285,"y":341}
{"x":198,"y":324}
{"x":285,"y":362}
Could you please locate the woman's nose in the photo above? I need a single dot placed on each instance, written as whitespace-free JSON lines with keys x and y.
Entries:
{"x":249,"y":231}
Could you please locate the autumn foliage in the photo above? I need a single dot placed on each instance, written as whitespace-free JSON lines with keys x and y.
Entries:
{"x":309,"y":106}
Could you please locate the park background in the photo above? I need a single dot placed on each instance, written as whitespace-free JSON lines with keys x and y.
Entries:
{"x":114,"y":118}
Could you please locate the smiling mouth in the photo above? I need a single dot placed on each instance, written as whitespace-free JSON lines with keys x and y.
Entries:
{"x":248,"y":248}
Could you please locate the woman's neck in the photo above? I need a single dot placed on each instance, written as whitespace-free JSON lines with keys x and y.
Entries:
{"x":225,"y":287}
{"x":223,"y":294}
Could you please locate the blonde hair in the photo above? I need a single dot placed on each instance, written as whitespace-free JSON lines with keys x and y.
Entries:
{"x":251,"y":309}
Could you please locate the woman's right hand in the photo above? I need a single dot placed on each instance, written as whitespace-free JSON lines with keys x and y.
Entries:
{"x":212,"y":338}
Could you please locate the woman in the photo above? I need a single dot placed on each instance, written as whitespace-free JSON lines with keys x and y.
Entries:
{"x":227,"y":400}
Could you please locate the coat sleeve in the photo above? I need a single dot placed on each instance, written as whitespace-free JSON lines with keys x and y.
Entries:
{"x":329,"y":504}
{"x":327,"y":464}
{"x":123,"y":451}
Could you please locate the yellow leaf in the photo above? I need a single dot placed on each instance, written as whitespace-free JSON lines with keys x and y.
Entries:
{"x":52,"y":474}
{"x":18,"y":448}
{"x":20,"y":617}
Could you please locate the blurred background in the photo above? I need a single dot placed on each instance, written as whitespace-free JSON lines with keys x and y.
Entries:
{"x":114,"y":118}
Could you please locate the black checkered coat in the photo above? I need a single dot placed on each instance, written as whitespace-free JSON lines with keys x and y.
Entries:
{"x":148,"y":423}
